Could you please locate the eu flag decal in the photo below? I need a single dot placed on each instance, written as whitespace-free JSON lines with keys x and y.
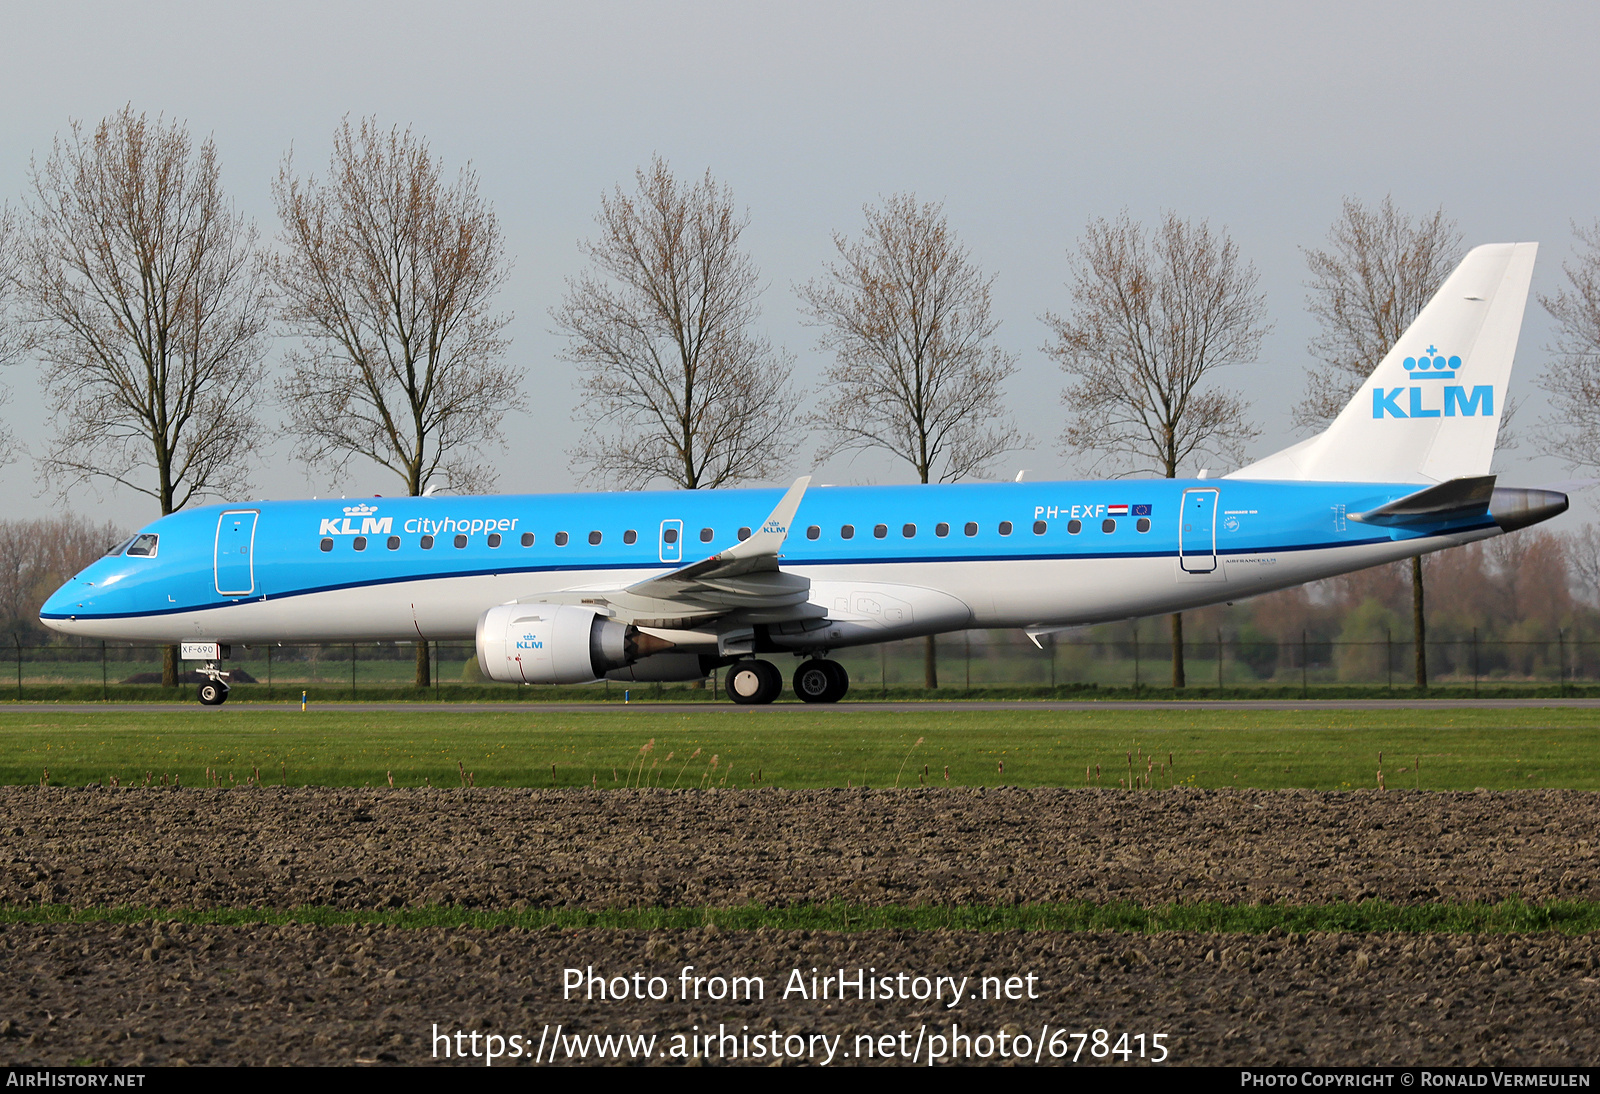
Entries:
{"x":1141,"y":510}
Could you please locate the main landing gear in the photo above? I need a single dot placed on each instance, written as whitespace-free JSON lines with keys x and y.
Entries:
{"x":816,"y":681}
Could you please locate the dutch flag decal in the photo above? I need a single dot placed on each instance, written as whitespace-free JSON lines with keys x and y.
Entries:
{"x":1117,"y":510}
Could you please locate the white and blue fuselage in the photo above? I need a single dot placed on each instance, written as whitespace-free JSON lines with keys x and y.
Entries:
{"x":988,"y":555}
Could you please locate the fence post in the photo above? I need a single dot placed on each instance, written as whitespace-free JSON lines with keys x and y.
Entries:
{"x":1474,"y":662}
{"x":1561,"y":638}
{"x":883,"y":669}
{"x":1305,"y":688}
{"x":1219,"y":662}
{"x":18,"y":640}
{"x":1052,"y":665}
{"x":1388,"y":638}
{"x":104,"y":693}
{"x":269,"y":670}
{"x":968,"y":636}
{"x":352,"y":672}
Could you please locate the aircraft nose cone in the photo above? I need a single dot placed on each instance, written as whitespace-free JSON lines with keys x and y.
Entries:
{"x":67,"y":601}
{"x":1514,"y":507}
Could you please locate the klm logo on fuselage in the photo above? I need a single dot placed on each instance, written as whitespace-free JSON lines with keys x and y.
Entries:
{"x":1433,"y":400}
{"x":368,"y":526}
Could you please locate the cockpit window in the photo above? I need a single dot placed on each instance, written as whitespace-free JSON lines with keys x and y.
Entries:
{"x":143,"y":546}
{"x":117,"y":548}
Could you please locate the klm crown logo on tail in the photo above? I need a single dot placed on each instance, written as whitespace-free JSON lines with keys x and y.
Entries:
{"x":1450,"y":400}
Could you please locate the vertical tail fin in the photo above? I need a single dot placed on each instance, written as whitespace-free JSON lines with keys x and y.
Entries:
{"x":1431,"y":410}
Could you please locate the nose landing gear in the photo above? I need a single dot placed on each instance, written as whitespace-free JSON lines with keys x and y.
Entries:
{"x":214,"y":688}
{"x":214,"y":692}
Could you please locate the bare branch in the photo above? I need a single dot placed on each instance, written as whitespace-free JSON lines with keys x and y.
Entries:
{"x":1573,"y":377}
{"x":677,"y":386}
{"x":389,"y":274}
{"x":1381,"y":268}
{"x":1154,"y":314}
{"x":144,"y":299}
{"x":906,"y":313}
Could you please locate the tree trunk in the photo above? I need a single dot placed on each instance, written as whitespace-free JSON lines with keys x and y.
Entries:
{"x":1419,"y":624}
{"x":1177,"y":650}
{"x":424,"y":668}
{"x":169,"y":666}
{"x":930,"y":663}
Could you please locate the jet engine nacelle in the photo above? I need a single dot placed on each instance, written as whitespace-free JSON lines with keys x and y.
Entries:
{"x":556,"y":644}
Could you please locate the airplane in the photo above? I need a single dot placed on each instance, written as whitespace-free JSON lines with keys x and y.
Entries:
{"x":677,"y":585}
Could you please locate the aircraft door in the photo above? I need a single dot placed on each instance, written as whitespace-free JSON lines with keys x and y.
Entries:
{"x":672,"y":541}
{"x":1197,"y":532}
{"x":235,"y":552}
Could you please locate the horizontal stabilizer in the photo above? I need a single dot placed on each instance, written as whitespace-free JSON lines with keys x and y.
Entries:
{"x":1457,"y":499}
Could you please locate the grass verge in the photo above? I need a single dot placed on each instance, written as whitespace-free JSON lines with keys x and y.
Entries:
{"x":808,"y":747}
{"x":1369,"y":916}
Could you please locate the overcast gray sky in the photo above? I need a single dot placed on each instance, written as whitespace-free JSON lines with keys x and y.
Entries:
{"x":1024,"y":120}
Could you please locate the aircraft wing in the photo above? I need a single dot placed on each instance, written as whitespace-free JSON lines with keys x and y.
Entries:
{"x":744,"y":578}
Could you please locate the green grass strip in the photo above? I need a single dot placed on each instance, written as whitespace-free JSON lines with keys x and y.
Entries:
{"x":1505,"y":917}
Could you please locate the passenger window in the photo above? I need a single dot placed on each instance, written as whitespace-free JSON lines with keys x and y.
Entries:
{"x":527,"y":539}
{"x":971,"y":529}
{"x":561,"y":539}
{"x":1143,"y":524}
{"x":594,"y":539}
{"x":880,"y":530}
{"x":427,"y":543}
{"x":1005,"y":528}
{"x":1074,"y":527}
{"x":1108,"y":525}
{"x":705,"y":535}
{"x":360,"y":543}
{"x":144,"y":546}
{"x":813,"y":532}
{"x":669,"y":535}
{"x":1038,"y":527}
{"x":847,"y":531}
{"x":744,"y":534}
{"x":941,"y":530}
{"x":494,"y":539}
{"x":909,"y":531}
{"x":327,"y":545}
{"x":461,"y":541}
{"x":630,"y":536}
{"x":394,"y":543}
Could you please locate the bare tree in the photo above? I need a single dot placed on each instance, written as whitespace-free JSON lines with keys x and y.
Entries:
{"x":37,"y":557}
{"x":12,"y":337}
{"x":1573,"y":378}
{"x":144,"y":299}
{"x":1155,"y":313}
{"x":677,"y":385}
{"x":1381,"y":268}
{"x":906,"y":313}
{"x":144,"y":296}
{"x":388,"y":274}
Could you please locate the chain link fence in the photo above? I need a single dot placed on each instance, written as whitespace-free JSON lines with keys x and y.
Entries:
{"x":1133,"y":662}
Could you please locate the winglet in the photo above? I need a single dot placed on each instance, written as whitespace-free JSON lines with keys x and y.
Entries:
{"x":768,"y":539}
